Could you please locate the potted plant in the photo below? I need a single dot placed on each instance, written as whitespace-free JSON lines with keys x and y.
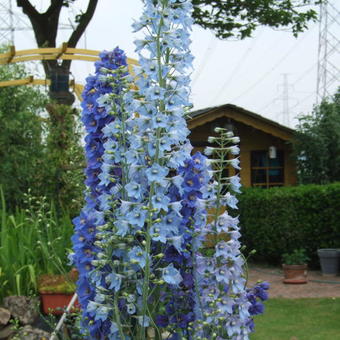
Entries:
{"x":295,"y":266}
{"x":56,"y":292}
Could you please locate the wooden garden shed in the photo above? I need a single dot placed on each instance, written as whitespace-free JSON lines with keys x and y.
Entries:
{"x":266,"y":146}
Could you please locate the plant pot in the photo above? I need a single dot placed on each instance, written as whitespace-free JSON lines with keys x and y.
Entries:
{"x":56,"y":292}
{"x":56,"y":303}
{"x":329,"y":261}
{"x":295,"y":273}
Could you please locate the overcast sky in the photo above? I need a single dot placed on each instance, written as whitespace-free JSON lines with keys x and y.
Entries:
{"x":247,"y":73}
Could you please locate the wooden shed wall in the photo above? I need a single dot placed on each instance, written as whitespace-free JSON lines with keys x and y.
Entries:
{"x":252,"y":139}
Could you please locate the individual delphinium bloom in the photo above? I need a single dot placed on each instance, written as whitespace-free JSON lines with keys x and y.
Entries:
{"x":85,"y":256}
{"x":222,"y":297}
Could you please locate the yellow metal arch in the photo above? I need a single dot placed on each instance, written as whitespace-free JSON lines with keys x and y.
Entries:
{"x":58,"y":53}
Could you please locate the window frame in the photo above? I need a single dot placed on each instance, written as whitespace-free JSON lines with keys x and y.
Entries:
{"x":267,"y":168}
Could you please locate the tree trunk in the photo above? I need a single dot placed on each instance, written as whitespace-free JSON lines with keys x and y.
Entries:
{"x":45,"y":27}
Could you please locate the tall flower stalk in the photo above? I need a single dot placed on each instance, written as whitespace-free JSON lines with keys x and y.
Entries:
{"x":150,"y":206}
{"x":222,"y":303}
{"x":95,"y":117}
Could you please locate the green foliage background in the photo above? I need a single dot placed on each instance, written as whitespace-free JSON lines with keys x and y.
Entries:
{"x":39,"y":145}
{"x":21,"y":147}
{"x":317,"y":143}
{"x":278,"y":220}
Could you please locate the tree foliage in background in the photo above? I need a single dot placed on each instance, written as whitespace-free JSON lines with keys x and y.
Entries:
{"x":64,"y":157}
{"x":235,"y":18}
{"x":317,"y":143}
{"x":21,"y":147}
{"x":38,"y":151}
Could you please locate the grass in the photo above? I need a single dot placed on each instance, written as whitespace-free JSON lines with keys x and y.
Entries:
{"x":299,"y":319}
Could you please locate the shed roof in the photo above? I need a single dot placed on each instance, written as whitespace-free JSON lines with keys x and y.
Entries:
{"x":203,"y":116}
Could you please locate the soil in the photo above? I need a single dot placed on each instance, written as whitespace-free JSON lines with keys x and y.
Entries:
{"x":52,"y":283}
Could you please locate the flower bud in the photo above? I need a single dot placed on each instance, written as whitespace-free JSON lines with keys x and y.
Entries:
{"x":218,"y":129}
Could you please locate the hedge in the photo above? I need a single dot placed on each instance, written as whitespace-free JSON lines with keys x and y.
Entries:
{"x":278,"y":220}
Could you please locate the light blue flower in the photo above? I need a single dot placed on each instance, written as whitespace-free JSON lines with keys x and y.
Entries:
{"x":158,"y":233}
{"x":159,"y":121}
{"x":114,"y":281}
{"x":176,"y":207}
{"x":132,"y":157}
{"x":138,"y":256}
{"x":105,"y":201}
{"x":102,"y":313}
{"x":178,"y":158}
{"x":160,"y":202}
{"x":226,"y":223}
{"x":229,"y":200}
{"x":134,"y":190}
{"x":156,"y":173}
{"x":155,"y":93}
{"x":225,"y":305}
{"x":110,"y":130}
{"x":177,"y":242}
{"x":131,"y":298}
{"x":122,"y":227}
{"x":222,"y":274}
{"x":235,"y":183}
{"x":171,"y":275}
{"x":171,"y":222}
{"x":222,"y":249}
{"x":136,"y":217}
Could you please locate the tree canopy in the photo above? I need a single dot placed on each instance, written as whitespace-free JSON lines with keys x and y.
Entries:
{"x":235,"y":18}
{"x":317,"y":144}
{"x":21,"y":146}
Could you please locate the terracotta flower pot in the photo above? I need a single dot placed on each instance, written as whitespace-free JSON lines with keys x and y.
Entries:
{"x":295,"y":273}
{"x":56,"y":303}
{"x":56,"y":292}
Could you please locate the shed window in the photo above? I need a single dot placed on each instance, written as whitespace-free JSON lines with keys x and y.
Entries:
{"x":267,"y":172}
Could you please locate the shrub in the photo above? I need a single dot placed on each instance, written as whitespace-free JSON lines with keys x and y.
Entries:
{"x":278,"y":220}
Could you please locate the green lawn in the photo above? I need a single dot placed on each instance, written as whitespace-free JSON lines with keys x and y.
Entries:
{"x":299,"y":319}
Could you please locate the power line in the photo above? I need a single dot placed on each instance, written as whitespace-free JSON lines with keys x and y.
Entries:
{"x":207,"y":55}
{"x":264,"y":76}
{"x":236,"y":69}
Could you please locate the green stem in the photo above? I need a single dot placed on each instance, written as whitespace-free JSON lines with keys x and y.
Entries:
{"x":198,"y":294}
{"x":219,"y":185}
{"x":117,"y":316}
